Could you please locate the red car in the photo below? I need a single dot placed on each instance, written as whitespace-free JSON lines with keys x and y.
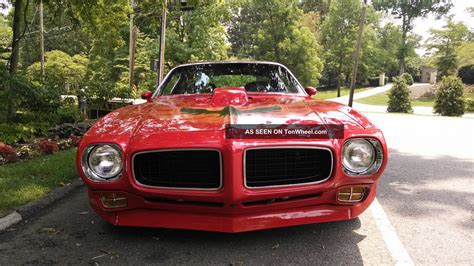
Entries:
{"x":200,"y":153}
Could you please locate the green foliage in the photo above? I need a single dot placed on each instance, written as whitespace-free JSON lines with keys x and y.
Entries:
{"x":444,"y":43}
{"x":466,"y":73}
{"x":64,"y":74}
{"x":68,"y":114}
{"x":449,"y":99}
{"x":465,"y":52}
{"x":243,"y":28}
{"x":106,"y":24}
{"x":470,"y":105}
{"x":275,"y":30}
{"x":198,"y":35}
{"x":319,"y":7}
{"x":399,"y":97}
{"x":14,"y":133}
{"x":300,"y":53}
{"x":339,"y":32}
{"x":408,"y":11}
{"x":62,"y":30}
{"x":407,"y":78}
{"x":35,"y":97}
{"x":413,"y":66}
{"x":5,"y":40}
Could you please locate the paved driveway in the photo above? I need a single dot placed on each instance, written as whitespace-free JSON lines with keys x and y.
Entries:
{"x":426,"y":193}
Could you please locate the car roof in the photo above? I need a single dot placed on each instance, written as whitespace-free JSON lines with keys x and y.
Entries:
{"x":231,"y":62}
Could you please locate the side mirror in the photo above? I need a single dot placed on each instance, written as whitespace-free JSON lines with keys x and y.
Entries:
{"x":147,"y":96}
{"x":311,"y":91}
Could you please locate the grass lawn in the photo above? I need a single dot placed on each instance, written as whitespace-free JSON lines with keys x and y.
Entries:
{"x":328,"y":94}
{"x":26,"y":181}
{"x":382,"y":99}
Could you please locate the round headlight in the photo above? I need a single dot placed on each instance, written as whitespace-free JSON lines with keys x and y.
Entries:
{"x":358,"y":155}
{"x":104,"y":162}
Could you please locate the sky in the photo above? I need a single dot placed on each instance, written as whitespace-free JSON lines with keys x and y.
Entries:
{"x":3,"y":11}
{"x":422,"y":25}
{"x":459,"y":13}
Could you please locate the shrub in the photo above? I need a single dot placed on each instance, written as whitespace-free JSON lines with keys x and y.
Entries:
{"x":470,"y":105}
{"x":47,"y":146}
{"x":466,"y":73}
{"x":69,"y":114}
{"x":7,"y":153}
{"x":408,"y":78}
{"x":449,"y":99}
{"x":13,"y":133}
{"x":67,"y":129}
{"x":399,"y":97}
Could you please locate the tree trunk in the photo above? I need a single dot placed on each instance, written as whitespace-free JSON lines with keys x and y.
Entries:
{"x":402,"y":53}
{"x":14,"y":58}
{"x":339,"y":70}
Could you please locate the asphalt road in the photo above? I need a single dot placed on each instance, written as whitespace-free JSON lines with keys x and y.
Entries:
{"x":426,"y":193}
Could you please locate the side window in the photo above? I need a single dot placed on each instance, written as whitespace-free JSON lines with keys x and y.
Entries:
{"x":290,"y":83}
{"x":170,"y":84}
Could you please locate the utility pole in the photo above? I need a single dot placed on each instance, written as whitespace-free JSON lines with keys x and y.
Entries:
{"x":132,"y":47}
{"x":41,"y":36}
{"x":162,"y":42}
{"x":355,"y":64}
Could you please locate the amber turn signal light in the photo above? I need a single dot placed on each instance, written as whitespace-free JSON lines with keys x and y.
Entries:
{"x":351,"y":194}
{"x":112,"y":200}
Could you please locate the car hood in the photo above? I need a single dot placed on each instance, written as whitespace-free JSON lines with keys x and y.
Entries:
{"x":189,"y":113}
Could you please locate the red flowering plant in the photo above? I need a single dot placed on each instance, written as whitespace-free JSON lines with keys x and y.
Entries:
{"x":47,"y":146}
{"x":75,"y":140}
{"x":7,"y":153}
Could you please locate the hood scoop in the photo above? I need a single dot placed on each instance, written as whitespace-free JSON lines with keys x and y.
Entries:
{"x":229,"y":96}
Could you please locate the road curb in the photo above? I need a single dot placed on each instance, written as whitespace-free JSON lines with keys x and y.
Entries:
{"x":30,"y":209}
{"x":9,"y":220}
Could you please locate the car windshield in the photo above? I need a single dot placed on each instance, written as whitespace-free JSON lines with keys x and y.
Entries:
{"x":254,"y":77}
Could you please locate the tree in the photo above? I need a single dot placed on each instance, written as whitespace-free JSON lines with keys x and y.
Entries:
{"x":338,"y":37}
{"x":444,"y":43}
{"x":388,"y":41}
{"x":275,"y":30}
{"x":14,"y":58}
{"x":315,"y":12}
{"x":300,"y":53}
{"x":62,"y":31}
{"x":197,"y":35}
{"x":465,"y":53}
{"x":243,"y":28}
{"x":408,"y":11}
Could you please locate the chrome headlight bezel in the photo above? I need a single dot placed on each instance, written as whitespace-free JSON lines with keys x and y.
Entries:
{"x":90,"y":173}
{"x":376,"y":163}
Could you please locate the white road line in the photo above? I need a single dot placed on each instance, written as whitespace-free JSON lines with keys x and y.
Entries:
{"x":390,"y":237}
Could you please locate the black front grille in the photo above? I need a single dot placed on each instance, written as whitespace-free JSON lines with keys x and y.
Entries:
{"x":286,"y":166}
{"x":179,"y":169}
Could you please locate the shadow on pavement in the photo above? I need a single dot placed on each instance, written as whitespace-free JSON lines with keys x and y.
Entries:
{"x":72,"y":233}
{"x":421,"y":186}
